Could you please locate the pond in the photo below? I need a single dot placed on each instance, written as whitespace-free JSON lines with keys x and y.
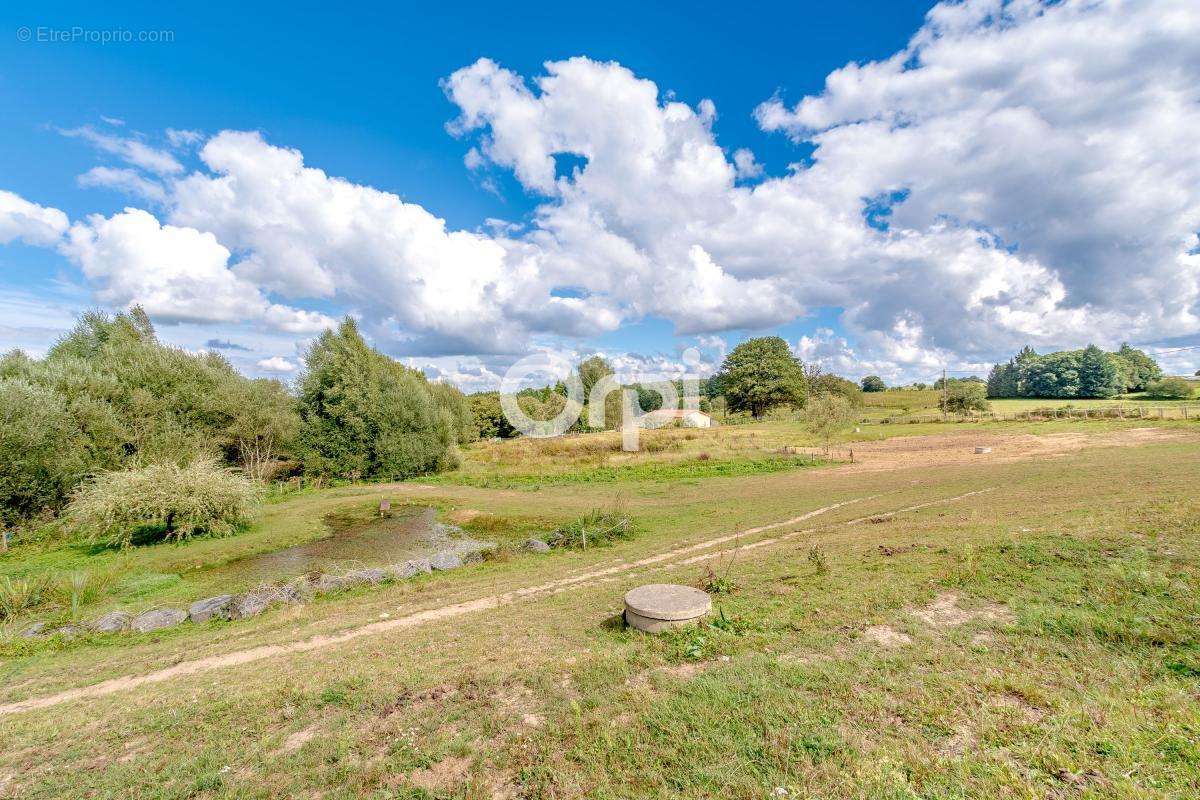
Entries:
{"x":409,"y":533}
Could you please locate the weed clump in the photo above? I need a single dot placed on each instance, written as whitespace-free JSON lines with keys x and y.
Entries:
{"x":596,"y":528}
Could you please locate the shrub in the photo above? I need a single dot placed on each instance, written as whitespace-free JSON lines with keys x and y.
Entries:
{"x":962,"y":396}
{"x":826,"y":415}
{"x":164,"y":499}
{"x":1170,"y":389}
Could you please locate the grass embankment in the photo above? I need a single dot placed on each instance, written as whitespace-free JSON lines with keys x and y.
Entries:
{"x":1038,"y":640}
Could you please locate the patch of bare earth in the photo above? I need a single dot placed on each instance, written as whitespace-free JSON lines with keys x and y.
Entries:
{"x":900,"y":452}
{"x":680,"y":672}
{"x":1027,"y":710}
{"x":962,"y":740}
{"x":886,"y":636}
{"x":297,"y":740}
{"x":447,"y":774}
{"x":944,"y":612}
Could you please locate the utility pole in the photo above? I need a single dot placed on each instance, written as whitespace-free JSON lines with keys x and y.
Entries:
{"x":944,"y":409}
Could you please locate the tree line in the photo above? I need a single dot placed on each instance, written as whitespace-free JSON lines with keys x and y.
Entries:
{"x":1087,"y":373}
{"x":110,"y":397}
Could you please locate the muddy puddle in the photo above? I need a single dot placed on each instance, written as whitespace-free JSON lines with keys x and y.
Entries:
{"x":410,"y":533}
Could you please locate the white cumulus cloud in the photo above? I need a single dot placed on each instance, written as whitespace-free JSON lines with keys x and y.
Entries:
{"x":29,"y":222}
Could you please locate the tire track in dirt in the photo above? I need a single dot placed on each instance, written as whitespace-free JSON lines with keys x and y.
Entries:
{"x":253,"y":654}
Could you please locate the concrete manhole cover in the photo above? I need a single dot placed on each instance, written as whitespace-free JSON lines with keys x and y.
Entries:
{"x":659,"y":606}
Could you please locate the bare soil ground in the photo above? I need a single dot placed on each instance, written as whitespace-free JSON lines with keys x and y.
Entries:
{"x":958,"y":447}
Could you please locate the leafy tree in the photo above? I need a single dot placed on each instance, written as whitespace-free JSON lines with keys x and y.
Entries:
{"x":366,"y":415}
{"x":1138,"y":370}
{"x":1099,"y":375}
{"x":760,"y":374}
{"x":489,"y":416}
{"x":591,"y":371}
{"x":962,"y":396}
{"x":873,"y":383}
{"x":1170,"y":389}
{"x":826,"y":415}
{"x":1004,"y":380}
{"x":263,"y":426}
{"x":455,"y":403}
{"x":42,"y":453}
{"x":827,"y":383}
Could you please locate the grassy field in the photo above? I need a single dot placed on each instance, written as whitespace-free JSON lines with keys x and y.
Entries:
{"x":1035,"y":639}
{"x":911,"y":402}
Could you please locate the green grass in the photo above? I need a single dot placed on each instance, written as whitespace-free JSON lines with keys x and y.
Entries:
{"x":1073,"y":672}
{"x":690,"y":469}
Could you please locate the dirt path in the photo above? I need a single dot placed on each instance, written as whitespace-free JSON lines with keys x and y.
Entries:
{"x":900,"y":452}
{"x":453,"y":610}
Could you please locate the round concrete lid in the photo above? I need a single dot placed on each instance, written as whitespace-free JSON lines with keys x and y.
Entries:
{"x":667,"y":601}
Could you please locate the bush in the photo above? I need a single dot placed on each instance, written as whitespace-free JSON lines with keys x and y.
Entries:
{"x":963,"y":396}
{"x":165,"y":500}
{"x":826,"y":415}
{"x":1170,"y":389}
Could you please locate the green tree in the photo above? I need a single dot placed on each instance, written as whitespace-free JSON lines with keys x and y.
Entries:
{"x":1004,"y":380}
{"x":455,"y":403}
{"x":826,"y":415}
{"x":365,"y":415}
{"x":489,"y":416}
{"x":962,"y":396}
{"x":116,"y":397}
{"x":873,"y":383}
{"x":591,"y":371}
{"x":827,"y":383}
{"x":170,"y":501}
{"x":1170,"y":389}
{"x":1099,"y":375}
{"x":1138,"y":370}
{"x":42,"y":452}
{"x":760,"y":374}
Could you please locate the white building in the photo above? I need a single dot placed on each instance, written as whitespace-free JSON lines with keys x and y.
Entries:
{"x":687,"y":418}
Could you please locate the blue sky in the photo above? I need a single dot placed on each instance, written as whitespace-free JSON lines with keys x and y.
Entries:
{"x":360,"y":92}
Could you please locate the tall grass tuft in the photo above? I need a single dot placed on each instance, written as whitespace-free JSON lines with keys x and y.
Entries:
{"x":18,"y":594}
{"x":596,"y":528}
{"x":173,"y":502}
